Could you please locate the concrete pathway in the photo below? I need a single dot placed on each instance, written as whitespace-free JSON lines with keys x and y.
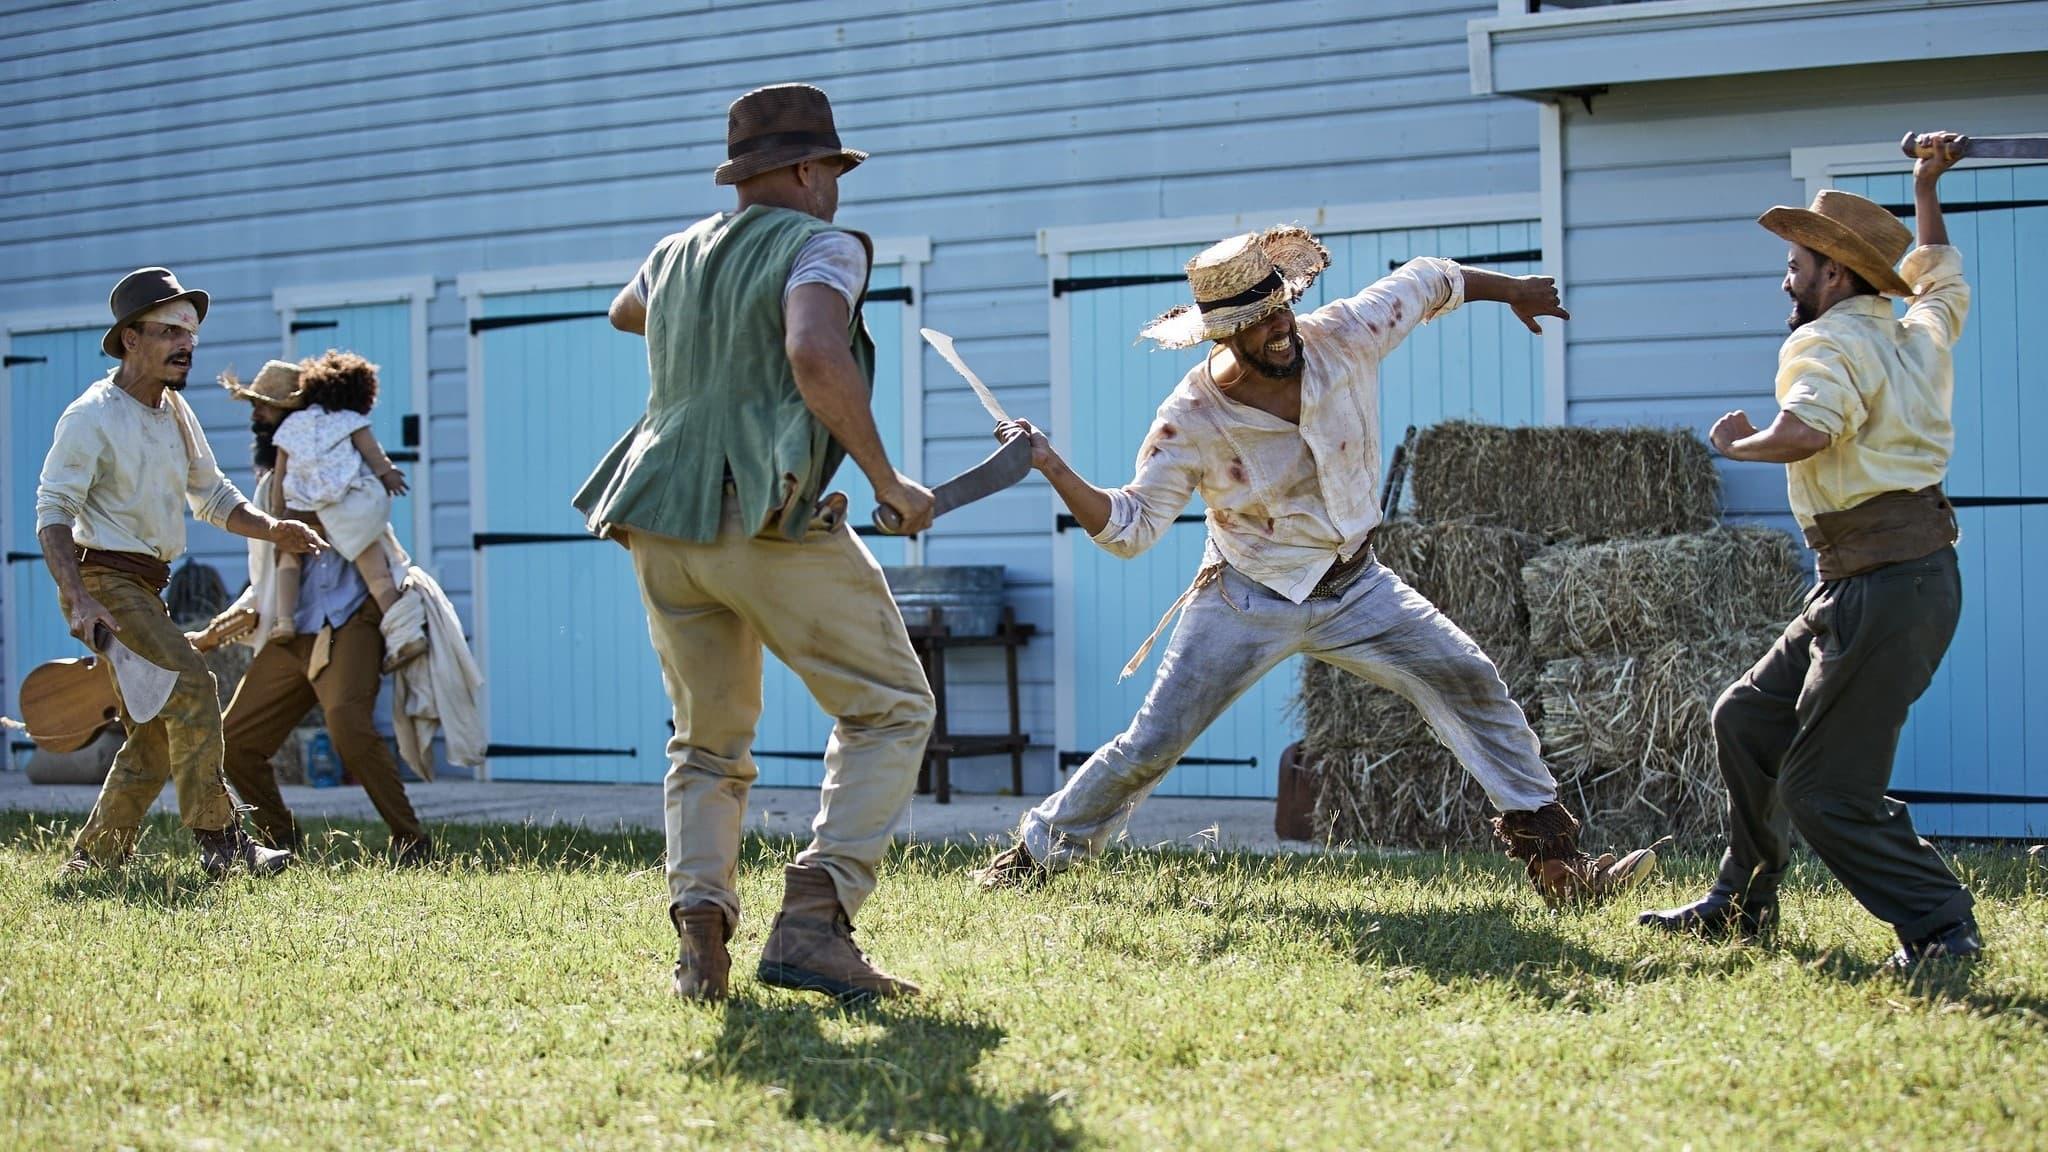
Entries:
{"x":1229,"y":823}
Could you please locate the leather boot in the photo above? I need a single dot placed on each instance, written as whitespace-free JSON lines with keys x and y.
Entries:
{"x":811,"y":947}
{"x":1546,"y":840}
{"x":1724,"y":911}
{"x":703,"y":966}
{"x":1957,"y":941}
{"x":221,"y":850}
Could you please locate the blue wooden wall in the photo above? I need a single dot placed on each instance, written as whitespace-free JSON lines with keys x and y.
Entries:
{"x":466,"y":139}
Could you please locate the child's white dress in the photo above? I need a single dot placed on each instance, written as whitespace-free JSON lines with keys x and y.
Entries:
{"x":324,"y":474}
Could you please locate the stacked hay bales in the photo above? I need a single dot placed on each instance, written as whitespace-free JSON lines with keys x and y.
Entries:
{"x":1630,"y":611}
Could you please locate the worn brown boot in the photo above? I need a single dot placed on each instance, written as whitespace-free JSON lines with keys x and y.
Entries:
{"x":1547,"y":842}
{"x":1014,"y":867}
{"x":811,"y":947}
{"x":703,"y":966}
{"x":220,"y":850}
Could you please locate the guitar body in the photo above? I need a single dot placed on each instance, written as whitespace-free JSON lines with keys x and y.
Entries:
{"x":65,"y":703}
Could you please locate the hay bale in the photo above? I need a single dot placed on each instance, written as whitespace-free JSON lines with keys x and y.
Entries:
{"x":1631,"y":737}
{"x":1471,"y":572}
{"x":1379,"y":775}
{"x":1564,"y":483}
{"x":1629,"y":596}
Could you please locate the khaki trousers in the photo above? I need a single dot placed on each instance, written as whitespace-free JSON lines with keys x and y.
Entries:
{"x":181,"y":743}
{"x":822,"y":607}
{"x":275,"y":695}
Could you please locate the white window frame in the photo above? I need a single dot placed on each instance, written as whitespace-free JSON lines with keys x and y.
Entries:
{"x":61,"y":320}
{"x":1817,"y":166}
{"x":909,"y":253}
{"x":1059,"y":245}
{"x":416,"y":293}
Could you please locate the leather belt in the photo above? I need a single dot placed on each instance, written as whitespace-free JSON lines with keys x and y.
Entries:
{"x":140,"y":565}
{"x":1342,"y":573}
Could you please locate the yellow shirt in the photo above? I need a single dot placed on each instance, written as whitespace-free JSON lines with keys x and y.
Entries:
{"x":1880,"y":387}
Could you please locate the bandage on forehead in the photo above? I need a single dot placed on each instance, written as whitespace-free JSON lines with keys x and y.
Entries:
{"x":174,"y":313}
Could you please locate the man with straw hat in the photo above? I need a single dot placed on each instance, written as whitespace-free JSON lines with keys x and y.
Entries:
{"x":333,"y":659}
{"x":1806,"y":737}
{"x":761,"y":370}
{"x":125,"y":454}
{"x":1278,"y":428}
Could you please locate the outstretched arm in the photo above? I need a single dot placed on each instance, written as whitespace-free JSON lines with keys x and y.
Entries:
{"x":1529,"y":296}
{"x":1089,"y":504}
{"x":815,"y":320}
{"x":1938,"y":152}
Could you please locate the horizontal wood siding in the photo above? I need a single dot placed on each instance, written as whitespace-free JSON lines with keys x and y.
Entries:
{"x":1674,"y":288}
{"x":445,"y":140}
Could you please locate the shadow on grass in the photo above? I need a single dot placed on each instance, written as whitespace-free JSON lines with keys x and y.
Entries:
{"x":899,"y":1073}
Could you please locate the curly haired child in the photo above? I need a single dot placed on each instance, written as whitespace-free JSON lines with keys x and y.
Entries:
{"x":329,"y":463}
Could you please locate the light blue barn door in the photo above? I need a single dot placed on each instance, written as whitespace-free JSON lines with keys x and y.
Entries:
{"x":789,"y":742}
{"x":1477,"y":363}
{"x":1982,"y":727}
{"x":381,"y":334}
{"x":45,"y":371}
{"x":573,"y":687}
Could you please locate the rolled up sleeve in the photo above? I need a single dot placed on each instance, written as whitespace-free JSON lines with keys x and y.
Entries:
{"x":1815,"y":385}
{"x":1941,"y":297}
{"x":68,"y":472}
{"x":1167,"y":472}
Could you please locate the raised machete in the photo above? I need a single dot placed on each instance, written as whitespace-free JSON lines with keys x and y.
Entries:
{"x":1004,"y":467}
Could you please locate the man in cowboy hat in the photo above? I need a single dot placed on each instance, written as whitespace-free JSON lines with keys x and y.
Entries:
{"x":1806,"y":737}
{"x":334,"y":659}
{"x":108,"y":519}
{"x":1278,"y":428}
{"x":761,"y":370}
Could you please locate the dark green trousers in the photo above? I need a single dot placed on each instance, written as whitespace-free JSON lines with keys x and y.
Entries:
{"x":1807,"y":736}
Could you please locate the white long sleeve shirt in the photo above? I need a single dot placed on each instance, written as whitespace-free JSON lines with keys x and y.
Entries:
{"x":116,"y":471}
{"x":1285,"y":501}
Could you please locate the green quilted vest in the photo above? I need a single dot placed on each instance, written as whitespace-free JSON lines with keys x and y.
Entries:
{"x":723,"y":396}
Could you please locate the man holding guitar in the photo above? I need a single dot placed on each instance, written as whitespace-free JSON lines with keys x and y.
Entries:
{"x":108,"y":520}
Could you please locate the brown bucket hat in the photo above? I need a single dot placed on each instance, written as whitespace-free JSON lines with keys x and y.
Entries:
{"x":138,"y":292}
{"x":1845,"y":227}
{"x":1239,"y":282}
{"x":777,"y":126}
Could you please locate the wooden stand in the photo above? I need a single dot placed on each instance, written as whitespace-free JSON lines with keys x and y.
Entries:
{"x":932,"y":639}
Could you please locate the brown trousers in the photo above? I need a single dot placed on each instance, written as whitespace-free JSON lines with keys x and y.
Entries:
{"x":275,"y":695}
{"x":181,"y":744}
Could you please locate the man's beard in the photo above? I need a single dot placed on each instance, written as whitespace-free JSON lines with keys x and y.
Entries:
{"x":1264,"y":367}
{"x":1804,"y":312}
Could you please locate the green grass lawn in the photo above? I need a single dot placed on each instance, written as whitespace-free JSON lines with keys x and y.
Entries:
{"x":516,"y":996}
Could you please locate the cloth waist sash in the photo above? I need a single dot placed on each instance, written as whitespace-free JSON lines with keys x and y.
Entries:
{"x":1889,"y":528}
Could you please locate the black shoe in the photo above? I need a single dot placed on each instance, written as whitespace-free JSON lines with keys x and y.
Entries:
{"x":1721,"y":913}
{"x":221,"y":850}
{"x":1957,"y":941}
{"x":414,"y":852}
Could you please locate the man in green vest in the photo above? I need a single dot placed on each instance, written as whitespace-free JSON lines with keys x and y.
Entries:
{"x":761,"y":372}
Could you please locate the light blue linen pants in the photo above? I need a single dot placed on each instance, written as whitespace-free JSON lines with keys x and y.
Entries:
{"x":1235,"y":631}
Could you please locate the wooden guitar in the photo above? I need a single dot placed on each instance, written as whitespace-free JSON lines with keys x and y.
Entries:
{"x":65,"y":703}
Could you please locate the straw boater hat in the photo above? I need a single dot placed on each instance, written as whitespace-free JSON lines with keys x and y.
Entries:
{"x":276,"y":384}
{"x":777,"y":126}
{"x":145,"y":290}
{"x":1853,"y":231}
{"x":1239,"y":282}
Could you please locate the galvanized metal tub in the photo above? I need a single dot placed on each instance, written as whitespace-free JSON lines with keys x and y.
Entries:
{"x":969,"y":597}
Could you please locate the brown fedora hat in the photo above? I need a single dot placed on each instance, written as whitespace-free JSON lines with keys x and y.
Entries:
{"x":1855,"y":232}
{"x":138,"y":292}
{"x":777,"y":126}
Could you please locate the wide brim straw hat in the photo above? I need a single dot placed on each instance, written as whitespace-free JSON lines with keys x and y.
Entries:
{"x":141,"y":291}
{"x":777,"y":126}
{"x":1859,"y":234}
{"x":277,"y":384}
{"x":1239,"y":282}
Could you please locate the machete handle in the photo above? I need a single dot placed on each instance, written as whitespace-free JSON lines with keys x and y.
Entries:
{"x":1911,"y":146}
{"x":888,"y":520}
{"x":101,"y":637}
